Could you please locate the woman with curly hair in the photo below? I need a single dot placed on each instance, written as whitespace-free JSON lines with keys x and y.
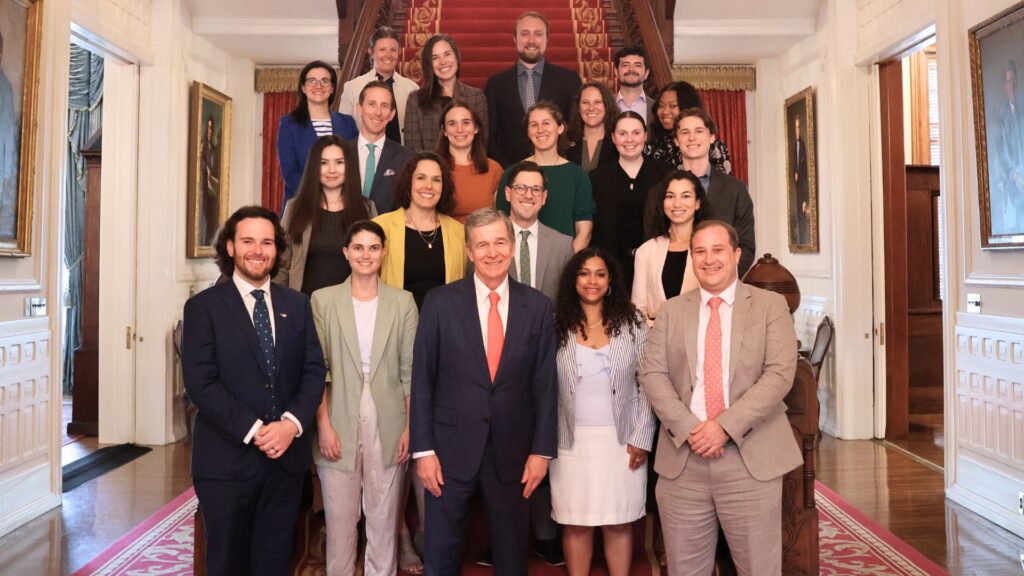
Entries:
{"x":605,"y":425}
{"x":591,"y":122}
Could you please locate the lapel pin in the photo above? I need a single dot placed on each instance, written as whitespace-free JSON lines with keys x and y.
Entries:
{"x":282,"y":314}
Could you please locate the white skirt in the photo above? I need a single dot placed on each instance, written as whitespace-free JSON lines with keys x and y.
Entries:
{"x":591,"y":483}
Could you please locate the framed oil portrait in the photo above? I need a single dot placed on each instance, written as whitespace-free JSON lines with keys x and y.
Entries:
{"x":997,"y":54}
{"x":20,"y":39}
{"x":208,"y":168}
{"x":801,"y":173}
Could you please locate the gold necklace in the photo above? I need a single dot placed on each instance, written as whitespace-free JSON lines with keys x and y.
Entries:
{"x":427,"y":238}
{"x":596,"y":324}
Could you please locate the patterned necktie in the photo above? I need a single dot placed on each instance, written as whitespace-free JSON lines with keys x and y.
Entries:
{"x":495,"y":336}
{"x":261,"y":320}
{"x":531,"y":96}
{"x":714,"y":400}
{"x":370,"y":171}
{"x":524,"y":259}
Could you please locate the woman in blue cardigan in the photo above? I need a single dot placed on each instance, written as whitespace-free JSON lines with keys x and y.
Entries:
{"x":311,"y":118}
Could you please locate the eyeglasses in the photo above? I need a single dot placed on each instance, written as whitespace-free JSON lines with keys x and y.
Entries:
{"x":523,"y":189}
{"x":312,"y":82}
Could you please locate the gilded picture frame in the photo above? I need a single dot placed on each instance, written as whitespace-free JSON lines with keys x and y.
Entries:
{"x":801,"y":172}
{"x":997,"y":55}
{"x":209,"y":168}
{"x":21,"y":23}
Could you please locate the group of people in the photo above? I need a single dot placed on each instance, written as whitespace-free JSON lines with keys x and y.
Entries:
{"x":531,"y":291}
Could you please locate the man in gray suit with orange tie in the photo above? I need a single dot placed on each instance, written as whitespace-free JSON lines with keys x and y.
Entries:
{"x":717,"y":365}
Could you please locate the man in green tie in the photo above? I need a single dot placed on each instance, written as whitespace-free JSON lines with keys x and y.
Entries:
{"x":380,"y":158}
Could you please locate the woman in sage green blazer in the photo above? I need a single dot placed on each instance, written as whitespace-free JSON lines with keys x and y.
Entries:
{"x":366,"y":329}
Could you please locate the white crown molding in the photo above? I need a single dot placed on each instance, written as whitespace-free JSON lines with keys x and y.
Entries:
{"x":730,"y":28}
{"x":264,"y":27}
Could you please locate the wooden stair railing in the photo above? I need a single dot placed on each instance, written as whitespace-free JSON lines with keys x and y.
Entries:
{"x":357,"y":20}
{"x":648,"y":23}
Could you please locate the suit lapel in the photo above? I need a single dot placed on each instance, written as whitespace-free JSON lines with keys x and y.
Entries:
{"x":514,"y":327}
{"x":346,"y":317}
{"x":386,"y":310}
{"x":740,"y":308}
{"x":469,"y":318}
{"x":691,"y":317}
{"x":282,"y":317}
{"x":542,"y":257}
{"x":236,"y":307}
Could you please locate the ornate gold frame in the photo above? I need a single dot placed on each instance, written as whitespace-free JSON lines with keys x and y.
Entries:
{"x":201,"y":92}
{"x":1013,"y":15}
{"x":20,"y":245}
{"x":810,"y":103}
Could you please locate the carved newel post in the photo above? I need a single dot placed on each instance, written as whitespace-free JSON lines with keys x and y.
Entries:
{"x":799,"y":513}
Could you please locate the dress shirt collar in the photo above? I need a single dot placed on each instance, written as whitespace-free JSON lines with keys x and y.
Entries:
{"x":483,"y":292}
{"x":538,"y":68}
{"x":362,"y":142}
{"x":533,"y":228}
{"x":245,"y":288}
{"x":728,"y":295}
{"x":621,"y":102}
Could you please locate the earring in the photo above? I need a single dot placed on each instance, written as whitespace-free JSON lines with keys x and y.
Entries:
{"x":609,"y":293}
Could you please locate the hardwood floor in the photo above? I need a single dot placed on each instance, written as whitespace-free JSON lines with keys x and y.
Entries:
{"x":908,"y":499}
{"x":893,"y":489}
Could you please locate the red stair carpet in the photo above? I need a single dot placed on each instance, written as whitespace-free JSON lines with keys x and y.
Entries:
{"x":483,"y":31}
{"x":851,"y":543}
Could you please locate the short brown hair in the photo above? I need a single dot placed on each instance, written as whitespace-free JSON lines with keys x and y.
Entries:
{"x":378,"y":84}
{"x":699,"y":113}
{"x":531,"y":14}
{"x":734,"y":238}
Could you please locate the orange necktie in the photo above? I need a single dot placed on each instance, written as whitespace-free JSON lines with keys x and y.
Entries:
{"x":495,"y":335}
{"x":714,"y":400}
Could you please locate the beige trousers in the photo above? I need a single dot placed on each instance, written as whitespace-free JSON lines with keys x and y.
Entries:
{"x":378,"y":485}
{"x":721,"y":490}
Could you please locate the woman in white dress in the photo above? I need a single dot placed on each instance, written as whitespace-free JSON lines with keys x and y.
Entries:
{"x":605,"y":425}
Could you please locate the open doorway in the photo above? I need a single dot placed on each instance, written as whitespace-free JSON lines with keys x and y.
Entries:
{"x":81,"y":229}
{"x":913,"y":244}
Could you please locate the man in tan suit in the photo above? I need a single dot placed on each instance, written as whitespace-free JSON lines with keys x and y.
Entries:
{"x":717,"y":365}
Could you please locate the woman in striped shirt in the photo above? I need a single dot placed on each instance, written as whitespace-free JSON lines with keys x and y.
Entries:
{"x":605,"y":425}
{"x":311,"y":118}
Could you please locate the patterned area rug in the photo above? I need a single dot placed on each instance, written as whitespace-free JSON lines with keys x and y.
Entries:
{"x":850,"y":544}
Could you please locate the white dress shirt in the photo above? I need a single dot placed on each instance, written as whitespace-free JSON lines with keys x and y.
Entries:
{"x":725,"y":315}
{"x":532,"y":243}
{"x":245,"y":289}
{"x":639,"y":105}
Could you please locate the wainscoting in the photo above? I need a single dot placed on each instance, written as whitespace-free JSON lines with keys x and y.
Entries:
{"x":27,"y":483}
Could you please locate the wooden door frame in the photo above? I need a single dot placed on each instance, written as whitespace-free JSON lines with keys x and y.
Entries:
{"x":894,"y":216}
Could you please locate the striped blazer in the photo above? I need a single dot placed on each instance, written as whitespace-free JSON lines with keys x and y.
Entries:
{"x":634,"y":420}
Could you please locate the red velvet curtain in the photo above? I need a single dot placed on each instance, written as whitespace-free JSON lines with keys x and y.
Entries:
{"x":729,"y":110}
{"x":275,"y":105}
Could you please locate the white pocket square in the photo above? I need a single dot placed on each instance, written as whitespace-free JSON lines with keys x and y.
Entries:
{"x":389,"y":172}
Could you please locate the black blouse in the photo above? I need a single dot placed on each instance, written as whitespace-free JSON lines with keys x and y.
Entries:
{"x":424,"y":262}
{"x":325,"y":262}
{"x":672,"y":273}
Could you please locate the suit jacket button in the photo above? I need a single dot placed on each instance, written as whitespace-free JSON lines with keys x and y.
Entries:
{"x":266,"y":417}
{"x":267,"y":386}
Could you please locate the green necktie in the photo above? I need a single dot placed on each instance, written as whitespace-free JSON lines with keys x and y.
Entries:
{"x":370,"y":171}
{"x":524,"y":259}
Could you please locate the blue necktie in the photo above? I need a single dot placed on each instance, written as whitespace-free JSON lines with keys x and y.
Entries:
{"x":261,"y":319}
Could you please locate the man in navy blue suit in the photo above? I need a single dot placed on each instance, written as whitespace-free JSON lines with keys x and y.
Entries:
{"x":253,"y":366}
{"x":484,"y":401}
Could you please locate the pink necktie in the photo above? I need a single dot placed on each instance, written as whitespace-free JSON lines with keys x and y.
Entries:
{"x":496,"y":336}
{"x":714,"y":401}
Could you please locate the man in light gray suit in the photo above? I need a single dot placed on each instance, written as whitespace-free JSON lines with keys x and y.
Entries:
{"x":539,"y":255}
{"x":546,"y":248}
{"x":717,"y":365}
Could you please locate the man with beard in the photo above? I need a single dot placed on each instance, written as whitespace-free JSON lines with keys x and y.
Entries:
{"x":631,"y":70}
{"x":511,"y":93}
{"x":252,"y":363}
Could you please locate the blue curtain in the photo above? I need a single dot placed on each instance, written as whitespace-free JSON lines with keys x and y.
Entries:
{"x":85,"y":115}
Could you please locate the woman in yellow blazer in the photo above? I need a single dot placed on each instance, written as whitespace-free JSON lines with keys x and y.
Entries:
{"x":366,"y":329}
{"x":662,"y":266}
{"x":426,"y":246}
